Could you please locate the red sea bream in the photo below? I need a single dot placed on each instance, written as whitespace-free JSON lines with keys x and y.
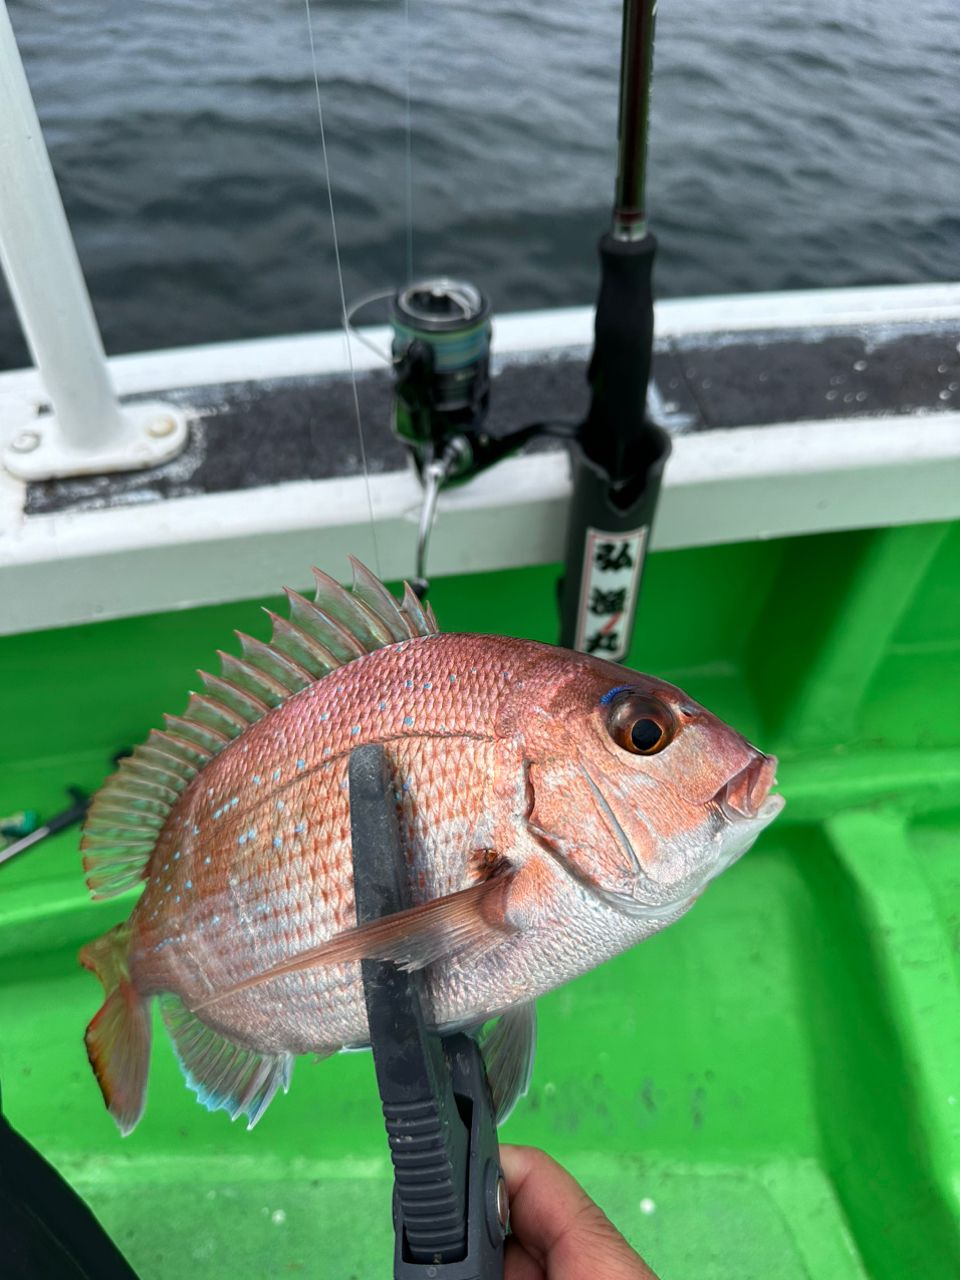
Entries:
{"x":554,"y":810}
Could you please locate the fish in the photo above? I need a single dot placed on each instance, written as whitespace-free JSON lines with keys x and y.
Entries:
{"x":554,"y":809}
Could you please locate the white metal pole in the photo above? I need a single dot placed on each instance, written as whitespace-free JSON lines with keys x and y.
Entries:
{"x":88,"y":430}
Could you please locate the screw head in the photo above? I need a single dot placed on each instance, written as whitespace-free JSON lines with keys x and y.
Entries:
{"x":25,"y":441}
{"x":161,"y":427}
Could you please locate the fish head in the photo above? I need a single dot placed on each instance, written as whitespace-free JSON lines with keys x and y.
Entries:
{"x":640,"y":791}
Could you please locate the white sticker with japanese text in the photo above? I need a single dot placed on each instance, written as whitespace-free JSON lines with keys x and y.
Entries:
{"x":608,"y":591}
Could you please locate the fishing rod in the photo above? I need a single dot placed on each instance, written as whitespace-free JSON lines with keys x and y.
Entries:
{"x":619,"y":454}
{"x":441,"y":363}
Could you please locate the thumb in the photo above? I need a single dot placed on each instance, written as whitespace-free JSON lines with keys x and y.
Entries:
{"x":560,"y":1227}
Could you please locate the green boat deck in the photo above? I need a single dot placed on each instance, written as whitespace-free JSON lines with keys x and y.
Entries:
{"x":771,"y":1088}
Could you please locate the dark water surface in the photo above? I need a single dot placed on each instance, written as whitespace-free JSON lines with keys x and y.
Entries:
{"x":795,"y":143}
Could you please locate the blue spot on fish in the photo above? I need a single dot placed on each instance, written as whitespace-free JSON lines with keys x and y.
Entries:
{"x":216,"y":814}
{"x":207,"y":860}
{"x":324,"y":715}
{"x":280,"y":805}
{"x":234,"y":802}
{"x":428,"y":685}
{"x":251,"y":833}
{"x":166,"y":888}
{"x":257,"y":779}
{"x":242,"y":840}
{"x":215,"y":920}
{"x":189,"y":884}
{"x":383,"y":706}
{"x":278,"y":842}
{"x":301,"y":764}
{"x":609,"y":696}
{"x":276,"y":775}
{"x":176,"y":897}
{"x":300,"y":828}
{"x":453,"y":679}
{"x":408,"y":719}
{"x":176,"y":856}
{"x":196,"y":830}
{"x":355,"y":730}
{"x":408,"y":683}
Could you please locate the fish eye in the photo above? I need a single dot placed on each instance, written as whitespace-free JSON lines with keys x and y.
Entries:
{"x":641,"y":724}
{"x":645,"y":736}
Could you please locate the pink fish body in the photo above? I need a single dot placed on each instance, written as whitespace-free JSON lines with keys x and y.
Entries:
{"x":554,"y":810}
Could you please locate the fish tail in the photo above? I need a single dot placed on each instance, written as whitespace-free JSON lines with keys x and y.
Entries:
{"x":118,"y":1038}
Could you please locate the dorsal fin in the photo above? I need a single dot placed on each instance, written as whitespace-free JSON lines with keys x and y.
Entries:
{"x":338,"y":626}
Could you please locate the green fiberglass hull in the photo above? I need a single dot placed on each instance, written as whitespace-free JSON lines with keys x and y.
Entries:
{"x":769,"y":1088}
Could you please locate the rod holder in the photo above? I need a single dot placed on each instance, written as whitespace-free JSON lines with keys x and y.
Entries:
{"x":88,"y":431}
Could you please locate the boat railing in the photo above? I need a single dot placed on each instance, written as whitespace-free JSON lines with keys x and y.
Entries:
{"x":83,"y":428}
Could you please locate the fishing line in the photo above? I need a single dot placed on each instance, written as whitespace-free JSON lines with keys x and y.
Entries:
{"x":408,"y":149}
{"x":379,"y":295}
{"x":343,"y":296}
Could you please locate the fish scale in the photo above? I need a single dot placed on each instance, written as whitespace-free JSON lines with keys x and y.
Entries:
{"x":539,"y":837}
{"x":446,"y":689}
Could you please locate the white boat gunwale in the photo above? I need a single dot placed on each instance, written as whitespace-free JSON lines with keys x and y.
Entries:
{"x":782,"y":478}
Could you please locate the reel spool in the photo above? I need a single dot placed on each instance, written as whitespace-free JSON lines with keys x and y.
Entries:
{"x":441,"y":353}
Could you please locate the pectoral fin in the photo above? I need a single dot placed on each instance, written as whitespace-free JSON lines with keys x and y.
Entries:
{"x":413,"y":939}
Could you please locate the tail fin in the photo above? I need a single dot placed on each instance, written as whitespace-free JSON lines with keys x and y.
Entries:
{"x":118,"y":1038}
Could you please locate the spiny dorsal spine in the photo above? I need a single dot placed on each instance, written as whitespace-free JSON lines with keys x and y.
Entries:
{"x":333,"y":629}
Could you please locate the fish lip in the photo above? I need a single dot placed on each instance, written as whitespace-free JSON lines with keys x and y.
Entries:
{"x":746,"y":795}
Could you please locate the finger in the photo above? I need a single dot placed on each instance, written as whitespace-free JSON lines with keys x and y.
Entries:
{"x":557,"y":1222}
{"x":518,"y":1264}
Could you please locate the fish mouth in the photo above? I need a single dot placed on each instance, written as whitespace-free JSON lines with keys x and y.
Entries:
{"x":746,"y":795}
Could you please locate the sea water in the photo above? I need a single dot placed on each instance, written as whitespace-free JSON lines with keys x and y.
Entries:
{"x":794,"y":144}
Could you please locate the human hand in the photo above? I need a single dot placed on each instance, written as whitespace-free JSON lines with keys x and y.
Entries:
{"x":556,"y":1230}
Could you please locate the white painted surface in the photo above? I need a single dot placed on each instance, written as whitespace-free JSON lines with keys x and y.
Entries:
{"x":721,"y":486}
{"x":153,"y":432}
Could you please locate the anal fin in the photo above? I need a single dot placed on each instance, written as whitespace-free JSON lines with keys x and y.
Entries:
{"x":223,"y":1075}
{"x":508,"y":1050}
